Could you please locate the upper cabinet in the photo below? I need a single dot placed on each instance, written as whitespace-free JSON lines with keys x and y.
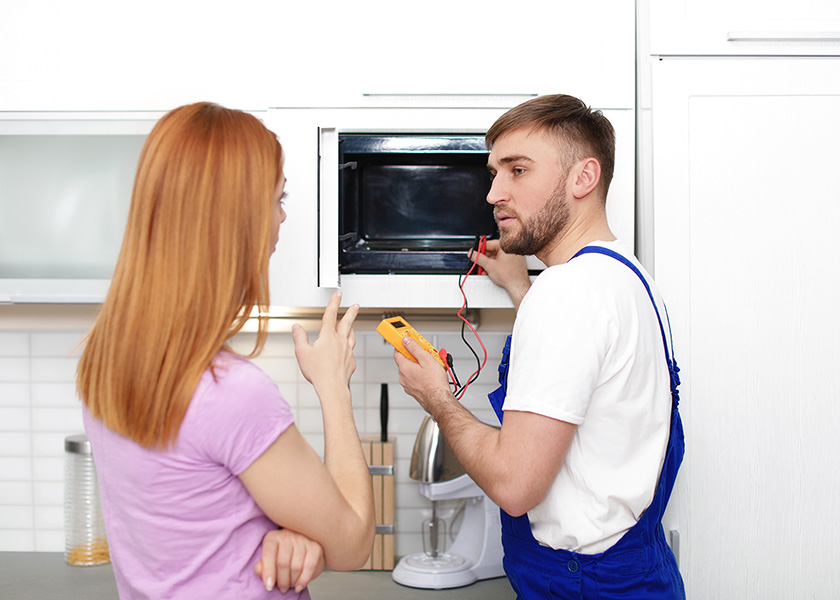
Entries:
{"x":105,"y":72}
{"x":382,"y":53}
{"x":96,"y":55}
{"x":65,"y":190}
{"x":745,"y":27}
{"x":99,"y":55}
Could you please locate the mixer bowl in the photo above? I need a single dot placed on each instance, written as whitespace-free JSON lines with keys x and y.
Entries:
{"x":431,"y":460}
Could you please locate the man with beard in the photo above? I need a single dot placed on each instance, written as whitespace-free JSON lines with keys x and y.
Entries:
{"x":591,"y":440}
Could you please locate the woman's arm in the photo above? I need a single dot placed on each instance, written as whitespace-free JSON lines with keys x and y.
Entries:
{"x":330,"y":502}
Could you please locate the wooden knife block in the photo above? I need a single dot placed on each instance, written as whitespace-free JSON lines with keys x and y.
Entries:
{"x":380,"y":459}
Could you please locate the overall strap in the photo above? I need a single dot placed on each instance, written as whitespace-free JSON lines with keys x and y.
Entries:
{"x":673,"y":369}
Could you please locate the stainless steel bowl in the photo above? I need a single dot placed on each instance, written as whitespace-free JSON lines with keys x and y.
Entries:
{"x":432,"y":461}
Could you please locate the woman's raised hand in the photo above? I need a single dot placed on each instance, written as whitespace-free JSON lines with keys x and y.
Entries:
{"x":328,"y":363}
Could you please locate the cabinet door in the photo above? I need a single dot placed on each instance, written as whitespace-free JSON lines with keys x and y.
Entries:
{"x":472,"y":52}
{"x":746,"y":211}
{"x":744,"y":27}
{"x":65,"y":191}
{"x":154,"y":55}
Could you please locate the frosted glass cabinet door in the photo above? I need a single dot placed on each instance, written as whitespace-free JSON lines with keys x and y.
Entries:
{"x":745,"y":27}
{"x":63,"y":206}
{"x":747,"y":206}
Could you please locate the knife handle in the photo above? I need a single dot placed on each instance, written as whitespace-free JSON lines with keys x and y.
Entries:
{"x":383,"y":411}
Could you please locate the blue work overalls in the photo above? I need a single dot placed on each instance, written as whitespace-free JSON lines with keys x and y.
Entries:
{"x":640,"y":564}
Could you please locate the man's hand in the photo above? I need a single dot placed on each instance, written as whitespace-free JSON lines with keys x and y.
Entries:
{"x":289,"y":560}
{"x":424,"y":380}
{"x":505,"y":270}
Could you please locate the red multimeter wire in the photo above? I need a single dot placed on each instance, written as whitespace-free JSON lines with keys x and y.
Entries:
{"x":461,"y":390}
{"x":393,"y":329}
{"x":482,"y":247}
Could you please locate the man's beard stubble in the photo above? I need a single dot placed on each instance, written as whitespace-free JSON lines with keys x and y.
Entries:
{"x":538,"y":231}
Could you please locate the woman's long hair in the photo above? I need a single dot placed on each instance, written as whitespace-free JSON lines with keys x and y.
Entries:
{"x":193,"y":264}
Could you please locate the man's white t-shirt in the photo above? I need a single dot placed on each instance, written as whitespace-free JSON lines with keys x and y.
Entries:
{"x":587,"y":349}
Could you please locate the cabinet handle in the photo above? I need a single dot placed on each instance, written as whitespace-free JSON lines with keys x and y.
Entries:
{"x":451,"y":95}
{"x":480,"y":100}
{"x":783,"y":36}
{"x":674,"y":542}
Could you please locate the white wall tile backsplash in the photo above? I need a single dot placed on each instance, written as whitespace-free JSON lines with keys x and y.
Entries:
{"x":14,"y":344}
{"x":39,"y":408}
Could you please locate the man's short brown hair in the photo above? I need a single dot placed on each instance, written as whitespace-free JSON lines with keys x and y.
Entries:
{"x":580,"y":131}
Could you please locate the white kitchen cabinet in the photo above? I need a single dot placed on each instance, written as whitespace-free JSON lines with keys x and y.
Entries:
{"x":156,"y":55}
{"x":746,"y":210}
{"x":304,"y":270}
{"x":432,"y":66}
{"x":470,"y":53}
{"x":65,"y":190}
{"x":745,"y":27}
{"x":96,"y":55}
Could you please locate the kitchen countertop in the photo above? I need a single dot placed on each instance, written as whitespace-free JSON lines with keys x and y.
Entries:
{"x":45,"y":576}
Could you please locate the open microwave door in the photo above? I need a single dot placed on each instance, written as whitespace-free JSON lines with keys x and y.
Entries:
{"x":328,"y":276}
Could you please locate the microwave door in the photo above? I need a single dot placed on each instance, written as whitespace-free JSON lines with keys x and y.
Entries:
{"x":328,"y":276}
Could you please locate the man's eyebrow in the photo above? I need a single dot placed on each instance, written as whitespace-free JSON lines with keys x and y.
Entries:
{"x":515,"y":158}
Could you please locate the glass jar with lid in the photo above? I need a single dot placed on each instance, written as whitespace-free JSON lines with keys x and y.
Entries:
{"x":84,"y":527}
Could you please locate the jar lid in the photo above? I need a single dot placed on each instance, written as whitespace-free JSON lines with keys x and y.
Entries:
{"x":77,"y":444}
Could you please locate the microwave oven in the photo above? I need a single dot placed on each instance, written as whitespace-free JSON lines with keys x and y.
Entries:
{"x":411,"y":203}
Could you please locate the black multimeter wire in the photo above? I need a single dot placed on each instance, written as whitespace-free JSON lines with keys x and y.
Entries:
{"x":465,"y":272}
{"x":451,"y":363}
{"x":463,"y":330}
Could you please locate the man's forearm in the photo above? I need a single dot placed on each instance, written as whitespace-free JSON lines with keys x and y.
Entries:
{"x":475,"y":444}
{"x":514,"y":465}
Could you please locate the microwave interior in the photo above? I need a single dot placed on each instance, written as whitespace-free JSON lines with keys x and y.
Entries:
{"x":411,"y":204}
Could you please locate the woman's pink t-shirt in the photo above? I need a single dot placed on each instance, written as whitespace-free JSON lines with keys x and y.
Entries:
{"x":180,"y":523}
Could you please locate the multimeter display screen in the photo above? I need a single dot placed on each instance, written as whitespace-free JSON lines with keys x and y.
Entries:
{"x":398,"y":324}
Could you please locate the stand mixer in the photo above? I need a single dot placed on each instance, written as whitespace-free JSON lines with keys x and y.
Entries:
{"x":476,"y":552}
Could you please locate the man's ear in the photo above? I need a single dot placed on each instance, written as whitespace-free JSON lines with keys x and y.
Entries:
{"x":585,"y":176}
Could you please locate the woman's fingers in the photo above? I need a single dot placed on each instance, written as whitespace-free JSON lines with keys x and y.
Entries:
{"x":313,"y":565}
{"x":331,"y":313}
{"x":345,"y":326}
{"x":299,"y":337}
{"x":266,"y":567}
{"x":295,"y":566}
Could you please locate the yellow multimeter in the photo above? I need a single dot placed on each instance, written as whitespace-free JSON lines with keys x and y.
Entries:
{"x":394,"y":329}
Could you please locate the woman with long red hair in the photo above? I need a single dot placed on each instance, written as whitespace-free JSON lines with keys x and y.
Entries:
{"x":198,"y":457}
